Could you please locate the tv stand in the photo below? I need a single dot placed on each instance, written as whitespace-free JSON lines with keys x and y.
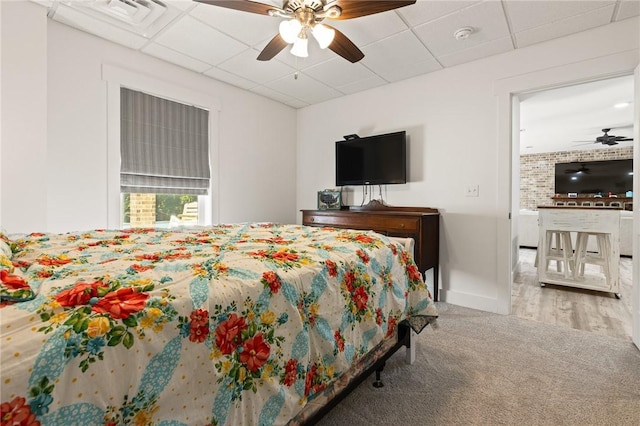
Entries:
{"x":420,"y":223}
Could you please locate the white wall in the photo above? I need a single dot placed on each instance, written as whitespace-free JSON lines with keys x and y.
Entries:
{"x":24,"y":116}
{"x":55,"y":135}
{"x":452,"y":121}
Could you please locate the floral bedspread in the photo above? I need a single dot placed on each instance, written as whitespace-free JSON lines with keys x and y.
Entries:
{"x":234,"y":324}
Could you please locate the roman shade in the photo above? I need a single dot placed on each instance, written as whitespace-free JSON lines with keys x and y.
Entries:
{"x":164,"y":145}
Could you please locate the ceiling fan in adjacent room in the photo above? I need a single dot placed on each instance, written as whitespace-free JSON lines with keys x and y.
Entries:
{"x":306,"y":16}
{"x":607,"y":139}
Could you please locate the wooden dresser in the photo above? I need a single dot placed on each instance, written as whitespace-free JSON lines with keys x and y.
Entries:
{"x":420,"y":223}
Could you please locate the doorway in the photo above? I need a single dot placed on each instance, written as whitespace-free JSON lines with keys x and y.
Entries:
{"x":561,"y":125}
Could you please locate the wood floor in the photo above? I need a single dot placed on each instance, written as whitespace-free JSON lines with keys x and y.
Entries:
{"x":593,"y":311}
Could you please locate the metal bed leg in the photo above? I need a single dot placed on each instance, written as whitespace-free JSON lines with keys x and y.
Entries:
{"x":378,"y":382}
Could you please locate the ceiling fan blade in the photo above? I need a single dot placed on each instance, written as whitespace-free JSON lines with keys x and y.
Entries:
{"x":345,"y":47}
{"x":272,"y":48}
{"x":356,"y":8}
{"x":242,"y":5}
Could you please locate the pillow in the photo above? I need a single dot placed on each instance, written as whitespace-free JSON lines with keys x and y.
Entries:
{"x":13,"y":286}
{"x":5,"y":247}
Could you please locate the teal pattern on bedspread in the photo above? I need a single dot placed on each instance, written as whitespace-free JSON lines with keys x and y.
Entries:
{"x":229,"y":325}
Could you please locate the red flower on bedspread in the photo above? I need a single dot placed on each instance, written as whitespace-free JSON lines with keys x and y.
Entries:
{"x":316,"y":380}
{"x":121,"y":303}
{"x":53,"y":261}
{"x":228,"y":333}
{"x":349,"y":280}
{"x":391,"y":325}
{"x":199,"y":325}
{"x":80,"y":294}
{"x":290,"y":372}
{"x":17,"y":412}
{"x":413,"y":272}
{"x":270,"y":279}
{"x":12,"y":281}
{"x":363,"y":256}
{"x":339,"y":340}
{"x":255,"y":352}
{"x":331,"y":268}
{"x":360,"y":298}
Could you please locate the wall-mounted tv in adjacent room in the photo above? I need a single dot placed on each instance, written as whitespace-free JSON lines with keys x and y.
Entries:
{"x":372,"y":160}
{"x":595,"y":177}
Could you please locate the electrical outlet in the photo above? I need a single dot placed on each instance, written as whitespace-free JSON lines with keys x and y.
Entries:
{"x":472,"y":191}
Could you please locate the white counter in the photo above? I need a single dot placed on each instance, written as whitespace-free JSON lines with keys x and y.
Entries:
{"x":575,"y":265}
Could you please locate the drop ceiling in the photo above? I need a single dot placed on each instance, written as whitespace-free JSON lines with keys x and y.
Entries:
{"x":417,"y":39}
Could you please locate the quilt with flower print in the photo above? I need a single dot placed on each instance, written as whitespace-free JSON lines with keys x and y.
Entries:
{"x":238,"y":324}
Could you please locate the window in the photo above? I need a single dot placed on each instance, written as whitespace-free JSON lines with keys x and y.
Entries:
{"x":164,"y":168}
{"x":116,"y":78}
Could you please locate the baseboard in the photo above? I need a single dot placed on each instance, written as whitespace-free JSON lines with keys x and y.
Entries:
{"x":473,"y":301}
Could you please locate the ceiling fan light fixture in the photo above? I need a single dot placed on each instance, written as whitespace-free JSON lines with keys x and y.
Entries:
{"x":289,"y":30}
{"x":299,"y":48}
{"x":323,"y":34}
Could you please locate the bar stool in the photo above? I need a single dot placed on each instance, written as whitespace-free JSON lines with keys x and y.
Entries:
{"x":601,"y":257}
{"x":561,"y":252}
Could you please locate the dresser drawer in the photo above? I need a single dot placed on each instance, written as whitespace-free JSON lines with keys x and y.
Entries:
{"x":381,"y":223}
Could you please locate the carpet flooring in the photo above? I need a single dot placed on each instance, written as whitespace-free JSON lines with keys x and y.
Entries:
{"x":479,"y":368}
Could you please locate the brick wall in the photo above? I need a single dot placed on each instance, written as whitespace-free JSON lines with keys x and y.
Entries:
{"x":143,"y":210}
{"x":537,"y":171}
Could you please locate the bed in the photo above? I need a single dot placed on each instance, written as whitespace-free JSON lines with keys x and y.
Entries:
{"x":236,"y":324}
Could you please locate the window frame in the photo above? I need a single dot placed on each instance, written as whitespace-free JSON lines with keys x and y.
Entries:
{"x":116,"y":78}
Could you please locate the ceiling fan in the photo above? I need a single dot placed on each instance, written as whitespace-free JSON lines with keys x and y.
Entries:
{"x":306,"y":16}
{"x":608,"y":139}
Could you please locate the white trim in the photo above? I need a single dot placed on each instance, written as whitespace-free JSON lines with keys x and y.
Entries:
{"x":622,"y":63}
{"x":635,"y":303}
{"x":117,"y":77}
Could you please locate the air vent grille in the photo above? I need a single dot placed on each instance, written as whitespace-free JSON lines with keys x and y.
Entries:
{"x":144,"y":17}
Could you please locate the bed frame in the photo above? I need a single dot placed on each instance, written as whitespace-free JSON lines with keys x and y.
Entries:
{"x":405,"y":337}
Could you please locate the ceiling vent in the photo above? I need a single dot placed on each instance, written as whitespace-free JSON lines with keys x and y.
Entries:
{"x":143,"y":17}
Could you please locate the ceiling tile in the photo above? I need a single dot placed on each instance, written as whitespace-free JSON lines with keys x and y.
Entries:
{"x":230,"y":78}
{"x":304,"y":88}
{"x":628,"y":9}
{"x":479,"y":51}
{"x":247,"y":66}
{"x":486,"y":19}
{"x":524,"y":15}
{"x":175,"y":57}
{"x":183,"y":5}
{"x":200,"y":41}
{"x":367,"y":29}
{"x":411,"y":69}
{"x":338,"y":72}
{"x":565,"y":27}
{"x":273,"y":94}
{"x":428,"y":10}
{"x":249,"y":28}
{"x":363,"y":84}
{"x":397,"y":55}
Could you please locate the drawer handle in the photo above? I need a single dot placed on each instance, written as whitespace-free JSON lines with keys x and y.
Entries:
{"x":313,"y":219}
{"x":402,"y":225}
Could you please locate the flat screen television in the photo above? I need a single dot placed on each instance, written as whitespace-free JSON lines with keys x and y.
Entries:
{"x":594,"y":177}
{"x":372,"y":160}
